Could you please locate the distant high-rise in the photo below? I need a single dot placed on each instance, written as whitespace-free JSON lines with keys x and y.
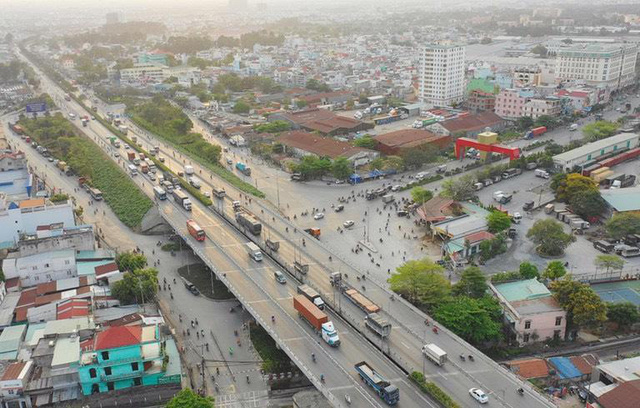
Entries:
{"x":237,"y":4}
{"x":114,"y":18}
{"x":442,"y":69}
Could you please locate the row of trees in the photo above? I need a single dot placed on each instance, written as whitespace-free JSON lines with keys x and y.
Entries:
{"x":312,"y":167}
{"x":248,"y":40}
{"x":234,"y":83}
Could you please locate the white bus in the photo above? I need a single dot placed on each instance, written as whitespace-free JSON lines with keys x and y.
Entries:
{"x":159,"y":193}
{"x":132,"y":169}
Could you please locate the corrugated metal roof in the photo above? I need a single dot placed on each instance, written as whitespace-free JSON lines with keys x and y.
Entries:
{"x":564,"y":367}
{"x":589,"y":148}
{"x":522,"y":290}
{"x":66,"y":351}
{"x":623,"y":199}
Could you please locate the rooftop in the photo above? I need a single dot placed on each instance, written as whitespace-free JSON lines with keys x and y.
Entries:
{"x":66,"y":351}
{"x":68,"y":326}
{"x":622,"y":370}
{"x":522,"y":290}
{"x":409,"y":138}
{"x":16,"y":371}
{"x":623,"y":199}
{"x":624,"y":395}
{"x":10,"y":341}
{"x":536,"y":305}
{"x":530,"y":368}
{"x":318,"y":145}
{"x":118,"y":336}
{"x":472,"y":122}
{"x":565,"y":368}
{"x":590,"y":148}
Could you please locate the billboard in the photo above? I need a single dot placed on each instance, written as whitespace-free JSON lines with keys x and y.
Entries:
{"x":36,"y":107}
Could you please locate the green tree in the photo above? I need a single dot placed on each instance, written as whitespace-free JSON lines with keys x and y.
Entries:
{"x":458,"y":189}
{"x":276,"y":126}
{"x":623,"y":224}
{"x":546,"y":121}
{"x":609,"y":262}
{"x":241,"y":107}
{"x":470,"y":319}
{"x":554,"y":270}
{"x":472,"y":283}
{"x":588,"y":203}
{"x":136,"y":286}
{"x":498,"y":221}
{"x":528,"y":270}
{"x":540,"y":50}
{"x":366,"y":141}
{"x":130,"y":261}
{"x":421,"y":195}
{"x":599,"y":130}
{"x":582,"y":304}
{"x":341,"y":168}
{"x":421,"y":282}
{"x":550,"y":237}
{"x":567,"y":187}
{"x":316,"y":85}
{"x":524,"y":123}
{"x":623,"y":314}
{"x":187,"y":398}
{"x":414,"y":158}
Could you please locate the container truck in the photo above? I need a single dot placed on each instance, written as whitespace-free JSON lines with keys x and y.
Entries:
{"x":311,"y":294}
{"x":378,"y":324}
{"x":435,"y":354}
{"x":361,"y":301}
{"x":196,"y":231}
{"x":249,"y":222}
{"x":535,"y":132}
{"x":243,"y":168}
{"x":385,"y":390}
{"x":317,"y":319}
{"x":182,"y":199}
{"x":253,"y":251}
{"x":131,"y":156}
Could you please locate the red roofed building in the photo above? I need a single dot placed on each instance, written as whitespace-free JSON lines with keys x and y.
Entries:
{"x":105,"y":272}
{"x":300,"y":143}
{"x":530,"y":368}
{"x":398,"y":142}
{"x":321,"y":120}
{"x":118,"y":336}
{"x":626,"y":395}
{"x":469,"y":125}
{"x":13,"y":382}
{"x":71,"y":308}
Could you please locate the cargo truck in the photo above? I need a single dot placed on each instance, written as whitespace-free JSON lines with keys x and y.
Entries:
{"x":385,"y":390}
{"x":535,"y":132}
{"x":182,"y":199}
{"x":511,"y":173}
{"x":123,"y":129}
{"x":541,"y":173}
{"x":85,"y":122}
{"x":249,"y":222}
{"x":317,"y":319}
{"x":389,"y":198}
{"x":114,"y":141}
{"x":435,"y":354}
{"x":253,"y":251}
{"x":219,"y":192}
{"x":311,"y":294}
{"x":243,"y":168}
{"x":361,"y":301}
{"x":131,"y":156}
{"x":144,"y":168}
{"x":378,"y":324}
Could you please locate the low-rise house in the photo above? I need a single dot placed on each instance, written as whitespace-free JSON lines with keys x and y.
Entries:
{"x":10,"y":341}
{"x":480,"y":101}
{"x":469,"y":124}
{"x":13,"y":383}
{"x":26,"y":216}
{"x":400,"y":141}
{"x":536,"y":107}
{"x":322,"y":121}
{"x":299,"y":144}
{"x":616,"y":384}
{"x":530,"y":368}
{"x":530,"y":311}
{"x":465,"y":247}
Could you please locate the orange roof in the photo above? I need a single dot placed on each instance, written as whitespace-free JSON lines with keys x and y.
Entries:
{"x":34,"y":202}
{"x":625,"y":395}
{"x":321,"y":146}
{"x":531,"y":368}
{"x":584,"y":363}
{"x":104,"y":269}
{"x":408,"y":137}
{"x":118,"y":336}
{"x":73,"y":308}
{"x":27,"y":297}
{"x":13,"y":371}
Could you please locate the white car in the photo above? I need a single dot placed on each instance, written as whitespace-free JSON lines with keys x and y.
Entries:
{"x":396,"y":187}
{"x":207,"y":194}
{"x":348,"y":224}
{"x":318,"y":216}
{"x":479,"y":395}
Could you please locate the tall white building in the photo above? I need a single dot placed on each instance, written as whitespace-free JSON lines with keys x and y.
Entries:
{"x":442,"y":69}
{"x":601,"y":65}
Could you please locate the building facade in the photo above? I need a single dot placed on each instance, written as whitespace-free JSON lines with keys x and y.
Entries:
{"x":442,"y":71}
{"x":536,"y":107}
{"x":602,"y":65}
{"x":479,"y":101}
{"x":510,"y":102}
{"x":41,"y":268}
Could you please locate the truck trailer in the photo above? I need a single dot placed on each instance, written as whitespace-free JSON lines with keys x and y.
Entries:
{"x":317,"y":319}
{"x":435,"y":354}
{"x":361,"y":301}
{"x":378,"y":324}
{"x":388,"y":392}
{"x":311,"y":294}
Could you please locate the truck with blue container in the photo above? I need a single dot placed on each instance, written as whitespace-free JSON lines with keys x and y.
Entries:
{"x":388,"y":392}
{"x":243,"y":168}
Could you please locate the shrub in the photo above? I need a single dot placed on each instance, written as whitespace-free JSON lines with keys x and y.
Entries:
{"x":433,"y":390}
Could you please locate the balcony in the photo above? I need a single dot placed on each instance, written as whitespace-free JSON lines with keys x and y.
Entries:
{"x":122,"y":376}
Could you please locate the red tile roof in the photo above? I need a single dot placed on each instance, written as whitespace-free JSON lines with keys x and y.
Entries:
{"x":118,"y":336}
{"x":584,"y":363}
{"x":625,"y":395}
{"x":322,"y":120}
{"x":437,"y":209}
{"x":479,"y":236}
{"x":27,"y":297}
{"x":104,"y":269}
{"x":13,"y":371}
{"x":12,"y":283}
{"x":532,"y":368}
{"x":321,"y":146}
{"x":469,"y":123}
{"x":73,"y":308}
{"x":45,"y":288}
{"x":410,"y":137}
{"x":46,"y":299}
{"x":21,"y":313}
{"x":126,"y":320}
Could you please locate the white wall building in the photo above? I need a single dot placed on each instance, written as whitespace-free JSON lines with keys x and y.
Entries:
{"x":40,"y":268}
{"x":143,"y":72}
{"x":603,"y":65}
{"x":442,"y":69}
{"x":28,"y":215}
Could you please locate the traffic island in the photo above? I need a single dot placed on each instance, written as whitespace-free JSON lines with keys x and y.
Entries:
{"x":433,"y":390}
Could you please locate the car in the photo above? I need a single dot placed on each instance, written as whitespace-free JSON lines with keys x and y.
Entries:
{"x":127,"y":147}
{"x":318,"y":216}
{"x":161,"y":159}
{"x":116,"y":155}
{"x":339,"y":208}
{"x":339,"y":181}
{"x":50,"y":159}
{"x":152,"y":176}
{"x":348,"y":224}
{"x":229,"y":161}
{"x":280,"y":278}
{"x":207,"y":194}
{"x":397,"y":187}
{"x":93,"y":118}
{"x":479,"y":395}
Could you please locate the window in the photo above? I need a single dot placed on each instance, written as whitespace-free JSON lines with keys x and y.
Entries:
{"x":134,"y":366}
{"x":110,"y":386}
{"x":525,"y":338}
{"x":527,"y":324}
{"x":137,"y":381}
{"x":556,"y":334}
{"x":66,"y":262}
{"x":92,"y":373}
{"x":558,"y":320}
{"x":107,"y":371}
{"x":105,"y":355}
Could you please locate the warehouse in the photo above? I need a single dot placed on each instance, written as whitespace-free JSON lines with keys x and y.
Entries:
{"x":592,"y":152}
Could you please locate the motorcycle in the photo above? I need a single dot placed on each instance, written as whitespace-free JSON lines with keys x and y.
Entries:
{"x":521,"y":391}
{"x":348,"y":399}
{"x":462,"y":357}
{"x":470,"y":357}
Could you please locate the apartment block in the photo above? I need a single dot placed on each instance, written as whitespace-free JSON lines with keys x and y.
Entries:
{"x":601,"y":65}
{"x":510,"y":102}
{"x":442,"y":70}
{"x":536,"y":107}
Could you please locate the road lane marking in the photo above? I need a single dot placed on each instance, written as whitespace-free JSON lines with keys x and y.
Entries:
{"x":405,"y":345}
{"x":294,"y":338}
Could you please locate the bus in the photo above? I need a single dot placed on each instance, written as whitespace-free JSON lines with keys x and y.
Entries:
{"x":159,"y":193}
{"x":95,"y":194}
{"x":195,"y":230}
{"x":132,"y":170}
